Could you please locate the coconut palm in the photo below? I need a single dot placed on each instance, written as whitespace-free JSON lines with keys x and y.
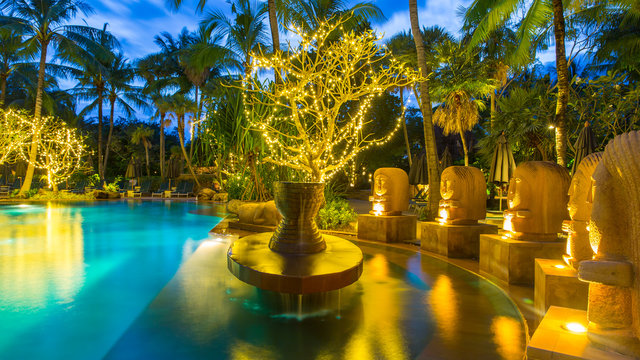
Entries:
{"x":121,"y":94}
{"x":308,"y":14}
{"x":181,"y":106}
{"x":485,"y":16}
{"x":44,"y":23}
{"x":461,"y":83}
{"x":245,"y":31}
{"x":142,"y":135}
{"x":425,"y":107}
{"x":11,"y":48}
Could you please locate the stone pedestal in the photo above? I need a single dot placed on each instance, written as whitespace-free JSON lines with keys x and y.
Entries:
{"x":557,"y":284}
{"x":456,"y":241}
{"x":552,"y":340}
{"x":387,"y":228}
{"x":513,"y":261}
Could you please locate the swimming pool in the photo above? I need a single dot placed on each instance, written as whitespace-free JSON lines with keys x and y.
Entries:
{"x":73,"y":278}
{"x":97,"y":280}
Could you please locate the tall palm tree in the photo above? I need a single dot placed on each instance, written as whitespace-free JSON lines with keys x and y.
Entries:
{"x":485,"y":16}
{"x":11,"y":52}
{"x":44,"y":23}
{"x":142,"y":135}
{"x":425,"y":107}
{"x":461,"y":83}
{"x":181,"y":106}
{"x":308,"y":14}
{"x":121,"y":93}
{"x":163,"y":106}
{"x":245,"y":31}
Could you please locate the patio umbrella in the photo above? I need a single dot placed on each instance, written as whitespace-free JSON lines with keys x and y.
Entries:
{"x":418,"y":172}
{"x":446,"y":160}
{"x":585,"y":145}
{"x":502,"y":164}
{"x":131,"y":171}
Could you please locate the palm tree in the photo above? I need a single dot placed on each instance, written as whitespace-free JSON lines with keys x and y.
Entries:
{"x":486,"y":16}
{"x":425,"y":107}
{"x":11,"y":48}
{"x":163,"y":106}
{"x":461,"y":82}
{"x":181,"y":106}
{"x":43,"y":23}
{"x":141,"y":135}
{"x":122,"y":94}
{"x":245,"y":31}
{"x":308,"y":14}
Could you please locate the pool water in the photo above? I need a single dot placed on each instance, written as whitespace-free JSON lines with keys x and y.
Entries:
{"x":142,"y":280}
{"x":73,"y":278}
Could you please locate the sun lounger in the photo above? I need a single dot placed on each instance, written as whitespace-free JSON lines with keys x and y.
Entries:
{"x":145,"y":188}
{"x":163,"y":187}
{"x":186,"y":190}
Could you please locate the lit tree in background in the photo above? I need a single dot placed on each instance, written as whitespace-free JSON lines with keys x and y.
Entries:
{"x":60,"y":150}
{"x":318,"y":119}
{"x":15,"y":132}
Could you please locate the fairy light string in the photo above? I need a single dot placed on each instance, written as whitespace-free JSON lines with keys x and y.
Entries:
{"x":319,"y":119}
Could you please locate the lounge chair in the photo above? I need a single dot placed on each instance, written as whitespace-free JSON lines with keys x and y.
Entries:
{"x":163,"y":187}
{"x":420,"y":200}
{"x":186,"y":190}
{"x":4,"y":191}
{"x":145,"y":188}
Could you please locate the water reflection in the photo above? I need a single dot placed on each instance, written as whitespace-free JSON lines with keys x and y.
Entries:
{"x":42,"y":257}
{"x":444,"y":306}
{"x":507,"y":335}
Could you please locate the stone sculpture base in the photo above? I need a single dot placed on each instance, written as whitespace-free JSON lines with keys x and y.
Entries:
{"x":387,"y":228}
{"x":552,"y":341}
{"x":557,"y":284}
{"x":455,"y":241}
{"x":513,"y":261}
{"x":250,"y":260}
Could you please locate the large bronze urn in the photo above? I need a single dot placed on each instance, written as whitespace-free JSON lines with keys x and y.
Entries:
{"x":298,"y":203}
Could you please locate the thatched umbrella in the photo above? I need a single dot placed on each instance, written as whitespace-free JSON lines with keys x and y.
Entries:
{"x":502,"y":164}
{"x":446,"y":160}
{"x":585,"y":145}
{"x":418,"y":174}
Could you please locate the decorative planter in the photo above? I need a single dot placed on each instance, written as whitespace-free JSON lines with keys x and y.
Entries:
{"x":297,"y":232}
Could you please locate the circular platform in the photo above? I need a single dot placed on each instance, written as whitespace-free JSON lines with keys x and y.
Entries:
{"x":251,"y":261}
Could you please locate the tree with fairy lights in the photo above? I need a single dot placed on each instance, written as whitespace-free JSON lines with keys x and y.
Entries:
{"x":15,"y":130}
{"x":318,"y":119}
{"x":60,"y":151}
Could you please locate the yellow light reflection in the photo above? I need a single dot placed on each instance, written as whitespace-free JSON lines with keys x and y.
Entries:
{"x":575,"y":327}
{"x":507,"y":336}
{"x":378,"y":208}
{"x":444,"y":305}
{"x":508,"y":224}
{"x":42,"y":256}
{"x":380,"y":334}
{"x":443,"y":215}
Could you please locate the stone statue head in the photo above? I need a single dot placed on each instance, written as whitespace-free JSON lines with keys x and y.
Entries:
{"x":464,"y":195}
{"x":537,"y":201}
{"x":579,"y":206}
{"x":390,"y":191}
{"x":614,"y":292}
{"x":580,"y":202}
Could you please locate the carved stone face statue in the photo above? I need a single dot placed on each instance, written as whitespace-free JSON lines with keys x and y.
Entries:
{"x":537,"y":201}
{"x":463,"y":192}
{"x":614,"y":289}
{"x":390,"y":192}
{"x":579,"y":206}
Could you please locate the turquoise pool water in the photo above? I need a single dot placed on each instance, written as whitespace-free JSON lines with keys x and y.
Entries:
{"x":143,"y":280}
{"x":73,"y":278}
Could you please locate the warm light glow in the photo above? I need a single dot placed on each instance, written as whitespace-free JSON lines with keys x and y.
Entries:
{"x":378,"y":208}
{"x":551,"y":127}
{"x":575,"y":327}
{"x":322,"y":77}
{"x":559,"y":266}
{"x":443,"y":215}
{"x":444,"y":305}
{"x":507,"y":224}
{"x":507,"y":334}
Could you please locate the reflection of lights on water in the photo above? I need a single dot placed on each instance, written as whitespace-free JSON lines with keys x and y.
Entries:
{"x":442,"y":299}
{"x":508,"y":336}
{"x":575,"y":327}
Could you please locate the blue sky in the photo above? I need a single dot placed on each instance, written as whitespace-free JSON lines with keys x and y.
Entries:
{"x":136,"y":22}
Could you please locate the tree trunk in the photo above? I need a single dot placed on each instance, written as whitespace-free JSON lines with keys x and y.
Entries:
{"x":162,"y":172}
{"x":3,"y":88}
{"x":493,"y":109}
{"x":193,"y":128}
{"x":112,"y":103}
{"x":563,"y":82}
{"x":35,"y":139}
{"x":275,"y":36}
{"x":425,"y":107}
{"x":146,"y":154}
{"x":404,"y":128}
{"x":100,"y":158}
{"x":184,"y":151}
{"x":464,"y":148}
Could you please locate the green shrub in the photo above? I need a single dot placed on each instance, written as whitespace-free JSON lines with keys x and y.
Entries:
{"x":336,"y":215}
